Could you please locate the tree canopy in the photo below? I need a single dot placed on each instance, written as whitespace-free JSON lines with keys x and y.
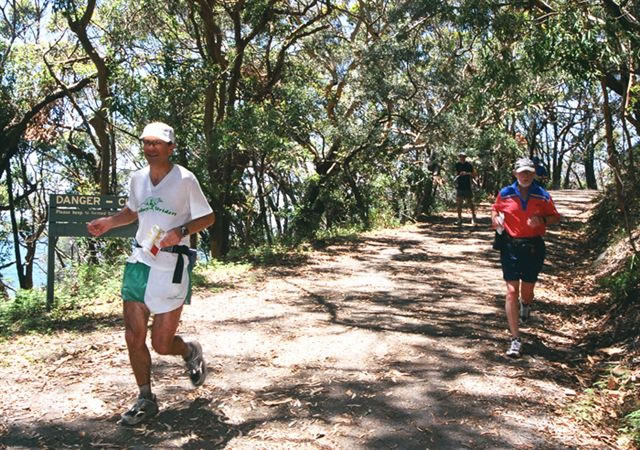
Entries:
{"x":302,"y":116}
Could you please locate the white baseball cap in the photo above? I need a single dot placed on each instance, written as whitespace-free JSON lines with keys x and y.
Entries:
{"x":159,"y":130}
{"x":524,"y":165}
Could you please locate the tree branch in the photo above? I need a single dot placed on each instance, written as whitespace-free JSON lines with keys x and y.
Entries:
{"x":9,"y":137}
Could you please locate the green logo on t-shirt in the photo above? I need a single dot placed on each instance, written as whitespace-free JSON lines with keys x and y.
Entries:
{"x":151,"y":204}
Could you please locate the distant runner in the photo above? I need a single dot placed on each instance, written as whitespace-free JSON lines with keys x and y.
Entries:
{"x":523,"y":209}
{"x":464,"y":174}
{"x":541,"y":172}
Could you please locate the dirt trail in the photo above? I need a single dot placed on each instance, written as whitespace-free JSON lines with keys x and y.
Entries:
{"x":395,"y":340}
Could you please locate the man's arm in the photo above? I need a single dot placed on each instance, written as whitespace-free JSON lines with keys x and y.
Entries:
{"x":174,"y":236}
{"x":546,"y":220}
{"x":494,"y":219}
{"x":550,"y":220}
{"x":495,"y":213}
{"x":101,"y":225}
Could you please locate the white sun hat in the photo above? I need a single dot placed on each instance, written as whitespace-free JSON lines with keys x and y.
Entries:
{"x":159,"y":130}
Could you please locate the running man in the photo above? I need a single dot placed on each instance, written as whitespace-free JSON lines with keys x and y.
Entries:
{"x":464,"y":174}
{"x":541,"y":172}
{"x":523,"y":209}
{"x":162,"y":196}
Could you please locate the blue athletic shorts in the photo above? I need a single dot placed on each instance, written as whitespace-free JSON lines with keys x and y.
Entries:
{"x":522,"y":259}
{"x":464,"y":193}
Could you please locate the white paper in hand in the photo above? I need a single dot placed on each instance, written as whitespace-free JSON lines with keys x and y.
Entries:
{"x":500,"y":220}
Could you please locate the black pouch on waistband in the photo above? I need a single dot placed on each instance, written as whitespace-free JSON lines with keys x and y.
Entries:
{"x":499,"y":240}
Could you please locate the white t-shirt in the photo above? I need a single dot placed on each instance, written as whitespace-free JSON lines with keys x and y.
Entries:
{"x":175,"y":201}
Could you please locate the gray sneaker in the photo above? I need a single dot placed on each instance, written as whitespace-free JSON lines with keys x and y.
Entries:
{"x":195,"y":365}
{"x":525,"y":311}
{"x":143,"y":409}
{"x":514,"y":348}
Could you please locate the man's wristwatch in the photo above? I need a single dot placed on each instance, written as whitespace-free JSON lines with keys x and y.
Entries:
{"x":184,"y":231}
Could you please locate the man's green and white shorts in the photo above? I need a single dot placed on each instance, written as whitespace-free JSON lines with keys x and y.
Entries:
{"x":154,"y":287}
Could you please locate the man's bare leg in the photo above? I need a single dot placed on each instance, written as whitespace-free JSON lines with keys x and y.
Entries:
{"x":512,"y":308}
{"x":473,"y":210}
{"x":165,"y":342}
{"x":163,"y":334}
{"x":136,"y":317}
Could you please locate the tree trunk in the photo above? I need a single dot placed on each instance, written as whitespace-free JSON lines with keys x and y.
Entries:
{"x":556,"y":171}
{"x":614,"y":164}
{"x":308,"y":220}
{"x":567,"y":175}
{"x":24,"y":281}
{"x":363,"y":211}
{"x":589,"y":169}
{"x":425,"y":197}
{"x":263,"y":219}
{"x":275,"y":207}
{"x":632,"y":164}
{"x":100,"y":120}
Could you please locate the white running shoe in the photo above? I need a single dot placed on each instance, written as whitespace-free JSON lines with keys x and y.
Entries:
{"x":196,"y":365}
{"x":514,"y":348}
{"x":143,"y":409}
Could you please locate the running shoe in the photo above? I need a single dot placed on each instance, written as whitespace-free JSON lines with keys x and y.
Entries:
{"x":514,"y":348}
{"x":195,"y":365}
{"x":143,"y":409}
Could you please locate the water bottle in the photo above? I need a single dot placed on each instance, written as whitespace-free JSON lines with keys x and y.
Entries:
{"x":150,"y":243}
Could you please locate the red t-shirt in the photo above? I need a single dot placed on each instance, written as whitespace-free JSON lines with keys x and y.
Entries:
{"x":516,"y":210}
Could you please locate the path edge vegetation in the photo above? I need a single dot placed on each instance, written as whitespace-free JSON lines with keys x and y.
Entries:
{"x":609,"y":370}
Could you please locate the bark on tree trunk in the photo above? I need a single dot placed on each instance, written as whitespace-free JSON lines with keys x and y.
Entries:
{"x":425,"y":199}
{"x":363,"y":211}
{"x":567,"y":175}
{"x":264,"y":220}
{"x":14,"y":231}
{"x":100,"y":121}
{"x":589,"y":169}
{"x":614,"y":164}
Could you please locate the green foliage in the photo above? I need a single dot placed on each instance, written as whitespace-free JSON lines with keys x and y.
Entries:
{"x":87,"y":296}
{"x":266,"y":254}
{"x":624,"y":285}
{"x":631,"y":426}
{"x":289,"y":133}
{"x":584,"y":408}
{"x":382,"y":213}
{"x":23,"y":313}
{"x":607,"y":229}
{"x":349,"y":232}
{"x":91,"y":282}
{"x":216,"y":275}
{"x":110,"y":250}
{"x":613,"y":402}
